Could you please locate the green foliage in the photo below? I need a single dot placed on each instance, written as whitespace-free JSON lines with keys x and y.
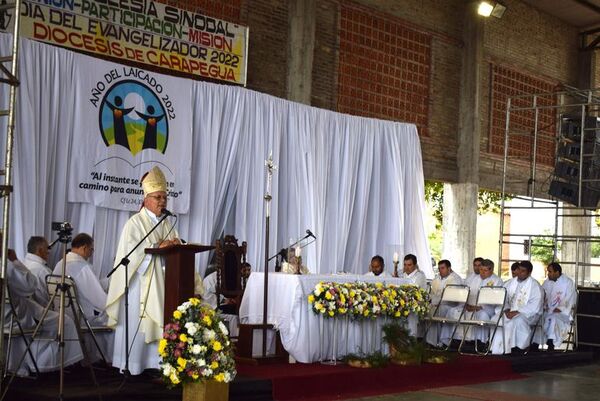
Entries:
{"x":374,"y":360}
{"x":488,"y":201}
{"x":542,"y":249}
{"x":595,"y":249}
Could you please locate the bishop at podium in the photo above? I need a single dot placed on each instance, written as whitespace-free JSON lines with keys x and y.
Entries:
{"x":146,"y":279}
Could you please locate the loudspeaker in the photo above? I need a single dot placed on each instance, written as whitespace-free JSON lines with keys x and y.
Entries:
{"x":568,"y":192}
{"x":565,"y":186}
{"x":588,"y":318}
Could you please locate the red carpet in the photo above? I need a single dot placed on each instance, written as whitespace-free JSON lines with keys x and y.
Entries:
{"x":322,"y":382}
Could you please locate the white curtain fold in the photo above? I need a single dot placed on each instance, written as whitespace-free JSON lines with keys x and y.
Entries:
{"x":356,"y":183}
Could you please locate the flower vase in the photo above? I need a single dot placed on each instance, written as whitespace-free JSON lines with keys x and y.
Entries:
{"x":209,"y":390}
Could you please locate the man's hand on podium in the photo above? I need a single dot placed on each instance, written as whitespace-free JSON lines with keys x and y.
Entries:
{"x":170,"y":242}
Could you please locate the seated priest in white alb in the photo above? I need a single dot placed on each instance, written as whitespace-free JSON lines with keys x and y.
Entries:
{"x":417,"y":278}
{"x":22,"y":285}
{"x":445,"y":277}
{"x":486,"y":278}
{"x":377,"y":268}
{"x":227,"y":306}
{"x":561,"y":296}
{"x":291,"y":265}
{"x":36,"y":261}
{"x":523,"y":309}
{"x":514,"y":269}
{"x":92,"y":297}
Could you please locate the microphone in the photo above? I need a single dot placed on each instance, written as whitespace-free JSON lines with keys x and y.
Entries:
{"x":166,"y":212}
{"x":310,"y":234}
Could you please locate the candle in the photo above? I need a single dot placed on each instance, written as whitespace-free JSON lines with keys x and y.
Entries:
{"x":298,"y":252}
{"x":396,"y":257}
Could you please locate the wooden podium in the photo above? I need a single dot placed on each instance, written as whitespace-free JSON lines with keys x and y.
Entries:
{"x":180,"y":262}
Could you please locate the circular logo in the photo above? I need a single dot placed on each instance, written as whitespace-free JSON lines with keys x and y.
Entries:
{"x":132,"y":116}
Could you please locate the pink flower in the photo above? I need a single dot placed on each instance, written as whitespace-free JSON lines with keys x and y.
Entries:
{"x":177,"y":353}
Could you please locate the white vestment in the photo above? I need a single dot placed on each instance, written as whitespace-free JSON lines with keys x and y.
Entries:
{"x":210,"y":298}
{"x":22,"y":285}
{"x":416,"y":278}
{"x":437,"y":288}
{"x":92,"y":296}
{"x":560,"y":294}
{"x":527,"y":299}
{"x":474,"y":282}
{"x":37,"y":266}
{"x":383,"y":275}
{"x":146,"y":280}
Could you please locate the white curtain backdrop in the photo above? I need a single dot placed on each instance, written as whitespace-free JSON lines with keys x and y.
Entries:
{"x":357,"y":183}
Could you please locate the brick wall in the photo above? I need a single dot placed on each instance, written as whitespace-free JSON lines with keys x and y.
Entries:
{"x":384,"y":67}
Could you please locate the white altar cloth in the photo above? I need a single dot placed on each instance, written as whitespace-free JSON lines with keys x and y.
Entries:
{"x":289,"y":311}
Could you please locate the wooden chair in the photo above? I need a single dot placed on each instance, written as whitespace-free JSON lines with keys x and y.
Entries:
{"x":231,"y":283}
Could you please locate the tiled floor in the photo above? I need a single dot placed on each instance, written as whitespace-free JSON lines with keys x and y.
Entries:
{"x":580,"y":383}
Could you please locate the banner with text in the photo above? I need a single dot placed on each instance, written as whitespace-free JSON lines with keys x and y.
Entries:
{"x":143,"y":31}
{"x":127,"y":120}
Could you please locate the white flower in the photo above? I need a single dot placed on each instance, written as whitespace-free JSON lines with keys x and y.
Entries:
{"x":168,"y":369}
{"x":223,"y":328}
{"x":192,"y":328}
{"x":207,"y":372}
{"x":227,"y":377}
{"x":200,"y":362}
{"x":208,"y":335}
{"x":196,"y":349}
{"x":184,"y":306}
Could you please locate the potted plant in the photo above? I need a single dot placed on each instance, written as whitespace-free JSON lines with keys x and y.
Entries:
{"x":404,"y":348}
{"x":196,"y":353}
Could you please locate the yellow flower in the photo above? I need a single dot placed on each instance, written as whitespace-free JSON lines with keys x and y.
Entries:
{"x":319,"y":306}
{"x":330,"y":313}
{"x":378,"y":285}
{"x":195,"y":301}
{"x":174,"y":378}
{"x":405,"y":313}
{"x":397,"y":314}
{"x":181,"y":362}
{"x":220,"y":377}
{"x":162,"y":345}
{"x":183,"y":338}
{"x":342,"y":298}
{"x":374,"y":298}
{"x":217,"y":346}
{"x":366,"y":312}
{"x":214,"y":365}
{"x":207,"y":320}
{"x":177,"y":315}
{"x":195,"y":376}
{"x":328,"y":295}
{"x":311,"y":298}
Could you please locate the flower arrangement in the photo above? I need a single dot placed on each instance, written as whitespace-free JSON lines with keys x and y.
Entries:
{"x":195,"y":346}
{"x":361,"y":300}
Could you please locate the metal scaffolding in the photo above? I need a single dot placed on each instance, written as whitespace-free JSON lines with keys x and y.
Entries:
{"x":8,"y":77}
{"x":552,"y":155}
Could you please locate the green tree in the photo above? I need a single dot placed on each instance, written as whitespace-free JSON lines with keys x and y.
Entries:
{"x":542,"y":249}
{"x":487,"y":201}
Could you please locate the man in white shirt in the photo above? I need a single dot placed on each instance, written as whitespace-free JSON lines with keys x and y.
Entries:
{"x":417,"y":278}
{"x":412,"y":273}
{"x":445,"y":277}
{"x":486,"y":278}
{"x":22,"y":285}
{"x":522,"y":310}
{"x":377,"y":268}
{"x":561,"y":297}
{"x":36,"y":261}
{"x":92,"y":296}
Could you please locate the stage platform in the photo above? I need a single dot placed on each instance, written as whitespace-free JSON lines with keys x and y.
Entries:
{"x":301,"y":381}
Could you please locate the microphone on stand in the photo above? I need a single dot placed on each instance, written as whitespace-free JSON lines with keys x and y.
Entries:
{"x":310,"y":234}
{"x":166,"y":212}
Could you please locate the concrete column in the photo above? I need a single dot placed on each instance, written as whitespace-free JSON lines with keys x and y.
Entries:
{"x":460,"y":225}
{"x":460,"y":199}
{"x":573,"y":256}
{"x":301,"y":44}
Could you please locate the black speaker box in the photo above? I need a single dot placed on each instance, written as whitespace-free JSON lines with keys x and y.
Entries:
{"x":568,"y":192}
